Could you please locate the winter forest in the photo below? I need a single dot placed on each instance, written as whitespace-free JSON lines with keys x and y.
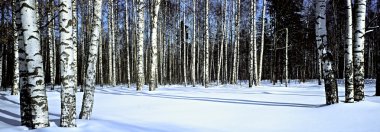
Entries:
{"x":189,"y":65}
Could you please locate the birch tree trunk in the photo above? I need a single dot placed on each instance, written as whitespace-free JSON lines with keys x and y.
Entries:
{"x":51,"y":43}
{"x":67,"y":65}
{"x":207,"y":61}
{"x":35,"y":73}
{"x":75,"y":43}
{"x":16,"y":76}
{"x":260,"y":71}
{"x":153,"y":67}
{"x":184,"y":47}
{"x":358,"y":49}
{"x":113,"y":43}
{"x":331,"y":88}
{"x":25,"y":100}
{"x":220,"y":63}
{"x":140,"y":44}
{"x":110,"y":28}
{"x":89,"y":90}
{"x":193,"y":47}
{"x":253,"y":47}
{"x":127,"y":43}
{"x":349,"y":73}
{"x":235,"y":52}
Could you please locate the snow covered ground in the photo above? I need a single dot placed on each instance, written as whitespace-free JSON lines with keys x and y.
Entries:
{"x":229,"y":108}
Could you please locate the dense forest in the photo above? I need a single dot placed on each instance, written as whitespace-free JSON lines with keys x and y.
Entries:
{"x":75,"y":45}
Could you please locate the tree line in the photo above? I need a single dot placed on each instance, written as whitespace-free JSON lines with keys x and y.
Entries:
{"x":78,"y":44}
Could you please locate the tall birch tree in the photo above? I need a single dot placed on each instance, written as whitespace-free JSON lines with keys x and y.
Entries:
{"x":193,"y":47}
{"x":35,"y":73}
{"x":349,"y":73}
{"x":89,"y":90}
{"x":207,"y":61}
{"x":260,"y":71}
{"x":140,"y":45}
{"x":358,"y":49}
{"x":253,"y":47}
{"x":67,"y":66}
{"x":16,"y":76}
{"x":331,"y":88}
{"x":153,"y":67}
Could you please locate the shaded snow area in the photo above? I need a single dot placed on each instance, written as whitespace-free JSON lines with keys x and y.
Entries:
{"x":228,"y":108}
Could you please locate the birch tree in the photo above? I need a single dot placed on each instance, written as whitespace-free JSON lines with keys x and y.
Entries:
{"x":358,"y":49}
{"x":253,"y":47}
{"x":35,"y":73}
{"x":89,"y":90}
{"x":206,"y":67}
{"x":349,"y":74}
{"x":140,"y":45}
{"x":222,"y":37}
{"x":67,"y":67}
{"x":75,"y":42}
{"x":331,"y":88}
{"x":25,"y":104}
{"x":127,"y":43}
{"x":193,"y":47}
{"x":16,"y":76}
{"x":260,"y":71}
{"x":51,"y":43}
{"x":153,"y":67}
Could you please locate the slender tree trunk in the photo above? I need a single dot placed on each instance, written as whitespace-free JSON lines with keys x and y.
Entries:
{"x":67,"y":65}
{"x":193,"y":47}
{"x":286,"y":57}
{"x":331,"y":88}
{"x":358,"y":49}
{"x":16,"y":76}
{"x":349,"y":74}
{"x":253,"y":47}
{"x":113,"y":44}
{"x":89,"y":90}
{"x":206,"y":71}
{"x":75,"y":43}
{"x":184,"y":47}
{"x":35,"y":73}
{"x":140,"y":44}
{"x":51,"y":43}
{"x":260,"y":71}
{"x":153,"y":67}
{"x":127,"y":44}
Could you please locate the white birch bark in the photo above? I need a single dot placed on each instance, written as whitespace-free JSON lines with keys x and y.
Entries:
{"x":207,"y":61}
{"x":153,"y":67}
{"x":75,"y":43}
{"x":327,"y":57}
{"x":349,"y":73}
{"x":260,"y":72}
{"x":127,"y":44}
{"x":358,"y":49}
{"x":113,"y":44}
{"x":35,"y":73}
{"x":67,"y":65}
{"x":25,"y":104}
{"x":220,"y":63}
{"x":253,"y":47}
{"x":16,"y":76}
{"x":184,"y":47}
{"x":140,"y":45}
{"x":110,"y":52}
{"x":51,"y":44}
{"x":193,"y":47}
{"x":89,"y":90}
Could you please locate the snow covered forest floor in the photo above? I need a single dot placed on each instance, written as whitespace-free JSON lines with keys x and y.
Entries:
{"x":297,"y":108}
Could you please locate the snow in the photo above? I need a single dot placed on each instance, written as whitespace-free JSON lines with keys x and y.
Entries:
{"x":297,"y":108}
